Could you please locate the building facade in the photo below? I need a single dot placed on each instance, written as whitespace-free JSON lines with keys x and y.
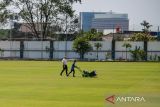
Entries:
{"x":103,"y":21}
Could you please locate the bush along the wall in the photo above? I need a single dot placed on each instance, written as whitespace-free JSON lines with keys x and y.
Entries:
{"x":158,"y":58}
{"x":138,"y":54}
{"x":155,"y":57}
{"x":1,"y":52}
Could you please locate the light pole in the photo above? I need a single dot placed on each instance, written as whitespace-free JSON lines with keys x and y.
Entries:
{"x":41,"y":40}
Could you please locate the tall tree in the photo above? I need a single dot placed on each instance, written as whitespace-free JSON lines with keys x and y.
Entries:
{"x":127,"y":45}
{"x":40,"y":15}
{"x":81,"y":46}
{"x":4,"y":13}
{"x":69,"y":24}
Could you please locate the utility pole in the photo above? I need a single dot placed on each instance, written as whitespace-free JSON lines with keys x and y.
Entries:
{"x":41,"y":40}
{"x":10,"y":35}
{"x":12,"y":20}
{"x":66,"y":37}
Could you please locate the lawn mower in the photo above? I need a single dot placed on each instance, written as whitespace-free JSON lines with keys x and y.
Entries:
{"x":86,"y":73}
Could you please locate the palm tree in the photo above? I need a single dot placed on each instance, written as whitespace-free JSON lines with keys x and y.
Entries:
{"x":146,"y":26}
{"x":98,"y":46}
{"x":127,"y":45}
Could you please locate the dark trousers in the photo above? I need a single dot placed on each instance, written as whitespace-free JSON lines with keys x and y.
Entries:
{"x":65,"y":68}
{"x":73,"y":72}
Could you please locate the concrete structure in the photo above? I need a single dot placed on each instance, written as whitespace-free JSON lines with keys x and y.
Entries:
{"x":103,"y":21}
{"x":56,"y":49}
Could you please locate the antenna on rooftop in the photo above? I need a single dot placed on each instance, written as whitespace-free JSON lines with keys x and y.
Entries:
{"x":158,"y":34}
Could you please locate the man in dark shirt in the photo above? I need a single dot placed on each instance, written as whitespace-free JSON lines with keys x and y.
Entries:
{"x":72,"y":68}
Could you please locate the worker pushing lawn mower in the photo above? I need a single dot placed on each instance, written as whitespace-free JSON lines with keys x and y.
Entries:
{"x":85,"y":73}
{"x":72,"y":68}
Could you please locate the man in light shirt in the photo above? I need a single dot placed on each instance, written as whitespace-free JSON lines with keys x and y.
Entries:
{"x":65,"y":68}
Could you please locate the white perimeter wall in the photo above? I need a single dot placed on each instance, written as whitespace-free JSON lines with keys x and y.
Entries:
{"x":154,"y":47}
{"x":32,"y":49}
{"x":10,"y":45}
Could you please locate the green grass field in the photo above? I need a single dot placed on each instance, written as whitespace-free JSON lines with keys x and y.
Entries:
{"x":38,"y":84}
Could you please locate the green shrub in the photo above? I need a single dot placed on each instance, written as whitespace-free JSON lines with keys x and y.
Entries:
{"x":138,"y":54}
{"x":158,"y":58}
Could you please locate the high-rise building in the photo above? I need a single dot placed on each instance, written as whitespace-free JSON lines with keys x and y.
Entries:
{"x":103,"y":21}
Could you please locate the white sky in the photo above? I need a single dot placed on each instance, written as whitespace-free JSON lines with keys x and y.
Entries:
{"x":137,"y":10}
